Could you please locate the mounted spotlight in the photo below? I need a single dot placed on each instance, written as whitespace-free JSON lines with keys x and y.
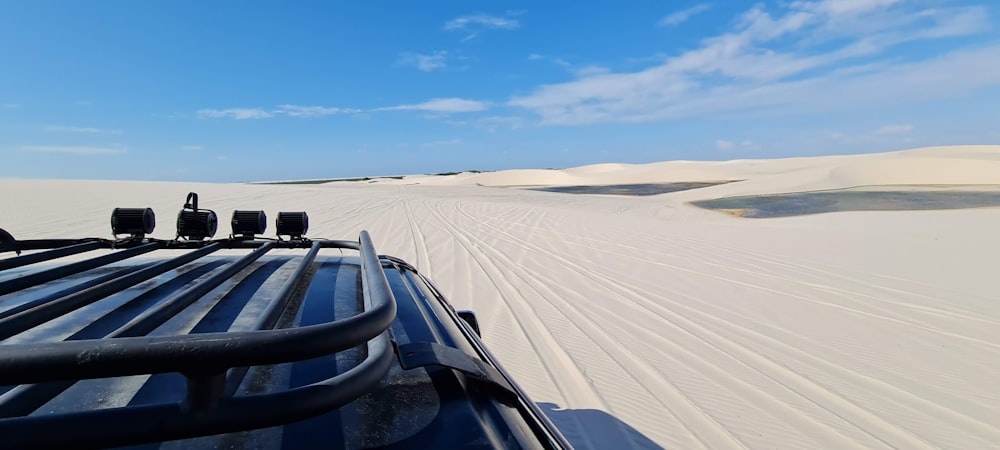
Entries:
{"x":194,"y":224}
{"x":292,"y":224}
{"x":249,"y":223}
{"x":137,"y":222}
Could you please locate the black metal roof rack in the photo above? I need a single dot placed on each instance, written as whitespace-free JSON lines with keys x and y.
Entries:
{"x":214,"y":364}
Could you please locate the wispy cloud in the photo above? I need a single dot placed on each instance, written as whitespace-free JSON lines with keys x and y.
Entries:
{"x":441,"y":143}
{"x":482,"y":21}
{"x":234,"y":113}
{"x":554,"y":60}
{"x":477,"y":23}
{"x":491,"y":124}
{"x":442,"y":105}
{"x":297,"y":111}
{"x":895,"y":129}
{"x":679,"y":17}
{"x":730,"y":145}
{"x":311,"y":111}
{"x":75,"y":150}
{"x":424,"y":62}
{"x":590,"y":71}
{"x":9,"y":106}
{"x":85,"y":130}
{"x":191,"y":148}
{"x":752,"y":70}
{"x":436,"y":105}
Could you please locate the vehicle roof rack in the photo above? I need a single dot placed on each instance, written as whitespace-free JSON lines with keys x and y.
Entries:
{"x":213,"y":364}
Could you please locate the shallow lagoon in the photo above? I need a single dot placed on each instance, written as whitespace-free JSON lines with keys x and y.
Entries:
{"x":631,"y":189}
{"x":891,"y":198}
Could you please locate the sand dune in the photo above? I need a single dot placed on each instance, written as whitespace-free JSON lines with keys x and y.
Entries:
{"x":647,"y":321}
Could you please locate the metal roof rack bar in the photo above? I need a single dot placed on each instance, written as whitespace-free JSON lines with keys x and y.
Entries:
{"x":55,"y":273}
{"x":203,"y":358}
{"x":152,"y":318}
{"x":24,"y":399}
{"x":33,"y":258}
{"x":140,"y":424}
{"x":17,"y":323}
{"x":229,"y":243}
{"x":272,"y":312}
{"x":32,"y":363}
{"x":74,"y":288}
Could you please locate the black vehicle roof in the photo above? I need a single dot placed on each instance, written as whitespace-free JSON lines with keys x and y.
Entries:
{"x":437,"y":388}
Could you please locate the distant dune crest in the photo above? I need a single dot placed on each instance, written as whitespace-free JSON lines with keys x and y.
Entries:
{"x":974,"y":164}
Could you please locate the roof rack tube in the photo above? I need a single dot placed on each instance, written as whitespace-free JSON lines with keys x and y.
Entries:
{"x":54,"y":273}
{"x":17,"y":323}
{"x":204,"y":353}
{"x":33,"y":363}
{"x":329,"y":243}
{"x":140,"y":424}
{"x":376,"y":286}
{"x":154,"y":317}
{"x":33,"y":258}
{"x":272,"y":312}
{"x":24,"y":399}
{"x":74,"y":288}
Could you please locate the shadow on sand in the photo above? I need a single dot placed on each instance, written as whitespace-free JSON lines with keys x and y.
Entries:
{"x":594,"y":429}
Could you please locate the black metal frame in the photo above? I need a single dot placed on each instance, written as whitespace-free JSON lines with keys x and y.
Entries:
{"x":540,"y":423}
{"x":214,"y":364}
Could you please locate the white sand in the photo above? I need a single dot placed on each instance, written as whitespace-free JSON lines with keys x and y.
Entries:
{"x":646,"y":320}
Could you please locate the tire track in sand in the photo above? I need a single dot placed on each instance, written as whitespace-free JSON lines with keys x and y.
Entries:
{"x":700,"y":425}
{"x":990,"y":345}
{"x":419,"y":241}
{"x":549,"y":352}
{"x":790,"y":380}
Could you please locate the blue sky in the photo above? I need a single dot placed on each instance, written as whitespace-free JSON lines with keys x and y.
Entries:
{"x":249,"y":91}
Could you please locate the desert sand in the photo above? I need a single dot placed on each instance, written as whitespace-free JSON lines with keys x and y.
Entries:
{"x":645,"y":321}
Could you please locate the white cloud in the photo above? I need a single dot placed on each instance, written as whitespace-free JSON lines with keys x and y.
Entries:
{"x":442,"y":105}
{"x":192,"y":148}
{"x":554,"y":60}
{"x":311,"y":111}
{"x":422,"y":62}
{"x":482,"y":21}
{"x":679,"y":17}
{"x":74,"y":150}
{"x":297,"y":111}
{"x":845,"y":7}
{"x":590,"y":71}
{"x":88,"y":130}
{"x":491,"y":123}
{"x":745,"y":144}
{"x":441,"y":143}
{"x":234,"y":113}
{"x":895,"y":129}
{"x":752,"y":70}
